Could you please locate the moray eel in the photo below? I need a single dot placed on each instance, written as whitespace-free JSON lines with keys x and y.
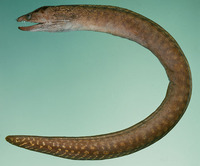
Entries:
{"x":133,"y":26}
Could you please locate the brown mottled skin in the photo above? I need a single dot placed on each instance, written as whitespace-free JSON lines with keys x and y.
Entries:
{"x":133,"y":26}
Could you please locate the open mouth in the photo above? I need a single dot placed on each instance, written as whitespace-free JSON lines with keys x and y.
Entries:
{"x":41,"y":24}
{"x":35,"y":27}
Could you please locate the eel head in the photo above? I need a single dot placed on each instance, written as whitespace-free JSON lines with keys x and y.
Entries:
{"x":48,"y":18}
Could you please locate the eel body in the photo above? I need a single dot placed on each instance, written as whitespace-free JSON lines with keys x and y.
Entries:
{"x":133,"y":26}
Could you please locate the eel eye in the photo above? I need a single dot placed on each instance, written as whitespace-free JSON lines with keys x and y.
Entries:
{"x":28,"y":16}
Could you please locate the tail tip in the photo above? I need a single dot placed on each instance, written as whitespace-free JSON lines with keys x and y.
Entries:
{"x":9,"y":139}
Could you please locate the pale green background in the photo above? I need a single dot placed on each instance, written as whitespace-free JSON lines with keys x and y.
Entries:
{"x":87,"y":83}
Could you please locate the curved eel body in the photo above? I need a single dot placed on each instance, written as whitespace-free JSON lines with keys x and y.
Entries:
{"x":135,"y":27}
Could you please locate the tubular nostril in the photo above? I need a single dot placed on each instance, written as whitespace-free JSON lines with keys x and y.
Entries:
{"x":19,"y":19}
